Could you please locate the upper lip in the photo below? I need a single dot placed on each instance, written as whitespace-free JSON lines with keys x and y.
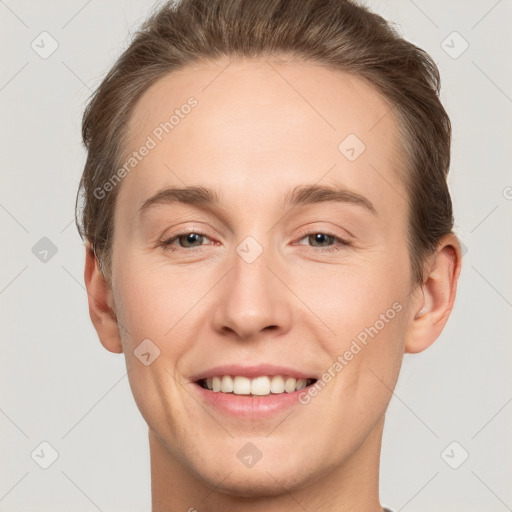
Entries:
{"x":251,"y":371}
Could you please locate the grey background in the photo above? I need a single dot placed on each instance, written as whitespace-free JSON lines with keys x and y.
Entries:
{"x":58,"y":384}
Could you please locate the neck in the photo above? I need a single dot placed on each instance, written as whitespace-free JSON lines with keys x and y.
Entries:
{"x":353,"y":485}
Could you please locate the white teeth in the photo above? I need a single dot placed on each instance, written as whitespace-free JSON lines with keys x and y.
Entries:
{"x":260,"y":386}
{"x":227,"y":384}
{"x":216,"y":383}
{"x":277,"y":384}
{"x":241,"y":385}
{"x":289,"y":385}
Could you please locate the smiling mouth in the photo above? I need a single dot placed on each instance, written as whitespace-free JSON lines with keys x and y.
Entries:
{"x":258,"y":386}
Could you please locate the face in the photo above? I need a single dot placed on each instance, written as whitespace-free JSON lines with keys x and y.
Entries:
{"x":286,"y":264}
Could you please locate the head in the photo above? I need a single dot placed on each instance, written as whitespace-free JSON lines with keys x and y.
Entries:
{"x":266,"y":185}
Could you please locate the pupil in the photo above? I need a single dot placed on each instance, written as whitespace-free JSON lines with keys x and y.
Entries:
{"x":191,"y":238}
{"x":320,"y":238}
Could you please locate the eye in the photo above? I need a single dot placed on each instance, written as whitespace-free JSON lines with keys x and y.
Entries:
{"x":322,"y":239}
{"x":325,"y":241}
{"x":188,"y":240}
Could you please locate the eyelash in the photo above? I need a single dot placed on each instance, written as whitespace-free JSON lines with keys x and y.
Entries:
{"x":342,"y":243}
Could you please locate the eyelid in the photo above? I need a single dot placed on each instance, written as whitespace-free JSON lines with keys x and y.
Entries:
{"x":168,"y":241}
{"x":191,"y":228}
{"x":326,"y":231}
{"x":174,"y":236}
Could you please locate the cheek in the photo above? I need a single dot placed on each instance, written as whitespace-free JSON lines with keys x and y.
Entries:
{"x":362,"y":313}
{"x":159,"y":303}
{"x":366,"y":313}
{"x":148,"y":308}
{"x":349,"y":298}
{"x":149,"y":294}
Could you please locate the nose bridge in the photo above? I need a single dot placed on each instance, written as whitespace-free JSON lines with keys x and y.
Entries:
{"x":252,"y":297}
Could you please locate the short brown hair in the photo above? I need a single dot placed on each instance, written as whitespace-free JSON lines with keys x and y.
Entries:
{"x":337,"y":33}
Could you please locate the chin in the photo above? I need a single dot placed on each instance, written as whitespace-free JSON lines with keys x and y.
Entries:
{"x":252,"y":483}
{"x":269,"y":476}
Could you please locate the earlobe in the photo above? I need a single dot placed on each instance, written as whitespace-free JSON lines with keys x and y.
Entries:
{"x":101,"y":304}
{"x":439,"y":289}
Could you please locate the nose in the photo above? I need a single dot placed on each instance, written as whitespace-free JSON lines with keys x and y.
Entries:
{"x":252,"y":301}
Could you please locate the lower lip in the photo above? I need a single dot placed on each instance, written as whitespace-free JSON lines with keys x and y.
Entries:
{"x":251,"y":407}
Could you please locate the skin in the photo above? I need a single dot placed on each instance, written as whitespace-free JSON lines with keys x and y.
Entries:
{"x":260,"y":128}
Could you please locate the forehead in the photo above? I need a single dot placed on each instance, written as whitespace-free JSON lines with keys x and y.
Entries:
{"x":262,"y":125}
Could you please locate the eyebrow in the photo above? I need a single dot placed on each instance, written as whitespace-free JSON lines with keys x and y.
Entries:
{"x":199,"y":196}
{"x":300,"y":195}
{"x":313,"y":194}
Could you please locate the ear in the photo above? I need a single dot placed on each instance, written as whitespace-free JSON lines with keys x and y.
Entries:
{"x":433,"y":306}
{"x":101,"y":304}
